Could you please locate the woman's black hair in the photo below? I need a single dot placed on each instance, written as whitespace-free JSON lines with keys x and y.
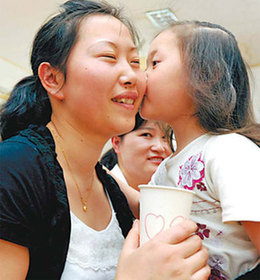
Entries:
{"x":29,"y":102}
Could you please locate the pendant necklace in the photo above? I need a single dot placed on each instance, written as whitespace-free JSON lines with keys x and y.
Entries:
{"x":58,"y":138}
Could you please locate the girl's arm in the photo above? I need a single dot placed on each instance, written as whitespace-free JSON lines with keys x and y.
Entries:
{"x":131,"y":194}
{"x":14,"y":261}
{"x":253,"y":231}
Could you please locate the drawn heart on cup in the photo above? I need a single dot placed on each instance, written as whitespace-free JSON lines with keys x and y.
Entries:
{"x":153,"y":224}
{"x":176,"y":220}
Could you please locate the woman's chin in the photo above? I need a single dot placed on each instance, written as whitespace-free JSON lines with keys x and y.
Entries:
{"x":124,"y":127}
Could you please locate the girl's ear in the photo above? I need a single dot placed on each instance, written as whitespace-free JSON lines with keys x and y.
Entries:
{"x":116,"y":141}
{"x":52,"y":80}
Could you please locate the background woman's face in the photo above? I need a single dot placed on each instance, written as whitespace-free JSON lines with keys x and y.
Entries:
{"x":104,"y":85}
{"x":142,"y":150}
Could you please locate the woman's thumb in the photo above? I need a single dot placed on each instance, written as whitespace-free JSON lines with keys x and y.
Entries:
{"x":132,"y":239}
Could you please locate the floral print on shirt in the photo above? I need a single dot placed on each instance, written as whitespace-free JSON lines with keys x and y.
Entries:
{"x":192,"y":173}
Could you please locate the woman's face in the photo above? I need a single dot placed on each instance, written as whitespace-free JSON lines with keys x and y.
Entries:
{"x":104,"y":83}
{"x":166,"y":98}
{"x":141,"y":151}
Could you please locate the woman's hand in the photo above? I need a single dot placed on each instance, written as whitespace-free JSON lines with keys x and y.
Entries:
{"x":172,"y":254}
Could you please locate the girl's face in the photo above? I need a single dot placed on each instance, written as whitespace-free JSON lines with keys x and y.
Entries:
{"x":166,"y":98}
{"x":104,"y":84}
{"x":141,"y":151}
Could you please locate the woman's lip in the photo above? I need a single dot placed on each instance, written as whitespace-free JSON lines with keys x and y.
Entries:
{"x":126,"y":106}
{"x":123,"y":99}
{"x":156,"y":160}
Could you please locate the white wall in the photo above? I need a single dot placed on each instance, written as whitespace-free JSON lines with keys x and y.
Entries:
{"x":255,"y":87}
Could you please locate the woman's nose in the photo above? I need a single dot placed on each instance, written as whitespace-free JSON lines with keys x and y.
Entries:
{"x":128,"y":76}
{"x":159,"y":145}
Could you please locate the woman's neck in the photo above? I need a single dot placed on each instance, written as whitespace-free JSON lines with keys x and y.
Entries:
{"x":81,"y":149}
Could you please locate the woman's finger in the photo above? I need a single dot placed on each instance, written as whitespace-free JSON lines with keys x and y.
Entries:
{"x":177,"y":233}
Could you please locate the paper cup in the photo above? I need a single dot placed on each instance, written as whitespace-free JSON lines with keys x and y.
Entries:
{"x":161,"y":207}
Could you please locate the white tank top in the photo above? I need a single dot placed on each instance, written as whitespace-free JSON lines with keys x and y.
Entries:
{"x":93,"y":254}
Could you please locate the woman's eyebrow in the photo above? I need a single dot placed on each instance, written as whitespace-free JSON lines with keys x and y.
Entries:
{"x":110,"y":43}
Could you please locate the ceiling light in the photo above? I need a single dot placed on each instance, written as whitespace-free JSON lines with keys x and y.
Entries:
{"x":161,"y":18}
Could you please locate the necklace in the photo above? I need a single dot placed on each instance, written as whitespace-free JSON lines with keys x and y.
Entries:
{"x":58,"y":138}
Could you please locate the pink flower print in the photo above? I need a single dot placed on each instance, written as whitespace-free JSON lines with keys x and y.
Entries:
{"x":217,"y":264}
{"x":202,"y":231}
{"x":201,"y":186}
{"x":216,"y":275}
{"x":191,"y":172}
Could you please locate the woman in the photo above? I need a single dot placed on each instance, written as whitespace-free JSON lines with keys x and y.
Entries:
{"x":61,"y":215}
{"x":136,"y":155}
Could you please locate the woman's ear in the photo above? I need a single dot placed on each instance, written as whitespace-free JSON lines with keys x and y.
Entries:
{"x":116,"y":141}
{"x":52,"y":80}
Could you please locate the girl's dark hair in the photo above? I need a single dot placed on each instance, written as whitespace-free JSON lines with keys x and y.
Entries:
{"x":217,"y":77}
{"x":29,"y":102}
{"x":109,"y":159}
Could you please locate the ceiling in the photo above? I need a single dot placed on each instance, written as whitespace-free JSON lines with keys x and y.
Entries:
{"x":19,"y":21}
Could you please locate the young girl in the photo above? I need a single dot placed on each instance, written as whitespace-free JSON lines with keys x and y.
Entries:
{"x":61,"y":215}
{"x":198,"y":83}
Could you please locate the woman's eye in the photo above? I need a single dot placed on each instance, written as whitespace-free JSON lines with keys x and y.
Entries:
{"x":146,"y":134}
{"x":136,"y":61}
{"x":164,"y":138}
{"x":109,"y":56}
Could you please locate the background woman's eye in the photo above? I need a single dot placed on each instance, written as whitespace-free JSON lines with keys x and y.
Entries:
{"x":164,"y":138}
{"x":147,"y":134}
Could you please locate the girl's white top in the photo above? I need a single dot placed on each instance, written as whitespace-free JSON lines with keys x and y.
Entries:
{"x":93,"y":254}
{"x":224,"y":173}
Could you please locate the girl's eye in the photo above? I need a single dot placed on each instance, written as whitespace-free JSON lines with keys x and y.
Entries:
{"x":155,"y":62}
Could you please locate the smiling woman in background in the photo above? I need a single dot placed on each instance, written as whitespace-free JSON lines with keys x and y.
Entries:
{"x":136,"y":155}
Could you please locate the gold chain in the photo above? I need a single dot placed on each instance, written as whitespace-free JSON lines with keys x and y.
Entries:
{"x":58,"y":138}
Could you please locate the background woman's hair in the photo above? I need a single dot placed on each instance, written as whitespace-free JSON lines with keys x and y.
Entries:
{"x":29,"y":102}
{"x":217,"y":78}
{"x":109,"y":159}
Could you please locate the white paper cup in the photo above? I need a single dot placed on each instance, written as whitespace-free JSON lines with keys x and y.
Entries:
{"x":161,"y":207}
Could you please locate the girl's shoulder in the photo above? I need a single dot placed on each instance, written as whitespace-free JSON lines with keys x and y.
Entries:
{"x":231,"y":141}
{"x":229,"y":148}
